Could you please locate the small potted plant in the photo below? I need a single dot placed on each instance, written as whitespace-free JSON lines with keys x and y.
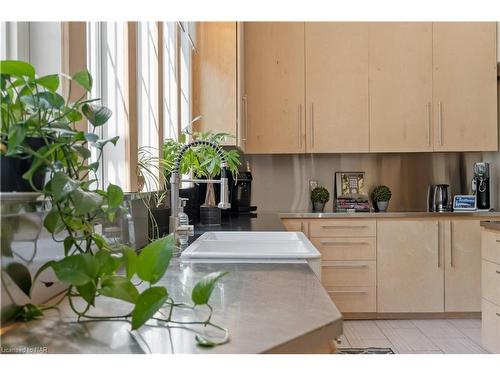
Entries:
{"x":380,"y":197}
{"x":319,"y":197}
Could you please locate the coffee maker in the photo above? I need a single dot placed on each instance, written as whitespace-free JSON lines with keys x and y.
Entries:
{"x":481,"y":185}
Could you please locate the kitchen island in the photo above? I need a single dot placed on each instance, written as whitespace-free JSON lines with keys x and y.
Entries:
{"x":267,"y":308}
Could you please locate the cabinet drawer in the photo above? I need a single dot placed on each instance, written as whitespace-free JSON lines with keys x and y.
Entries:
{"x":343,"y":228}
{"x":490,"y":246}
{"x":490,"y":330}
{"x":490,"y":281}
{"x":362,"y":248}
{"x":348,"y":273}
{"x":354,"y":299}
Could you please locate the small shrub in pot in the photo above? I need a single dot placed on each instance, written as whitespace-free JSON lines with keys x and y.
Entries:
{"x":319,"y":196}
{"x":380,"y":197}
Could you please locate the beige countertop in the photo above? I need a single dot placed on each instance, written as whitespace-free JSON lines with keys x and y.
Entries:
{"x":267,"y":308}
{"x":387,"y":215}
{"x":495,"y":225}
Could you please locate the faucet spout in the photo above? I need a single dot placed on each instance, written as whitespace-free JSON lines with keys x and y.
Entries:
{"x":175,"y":183}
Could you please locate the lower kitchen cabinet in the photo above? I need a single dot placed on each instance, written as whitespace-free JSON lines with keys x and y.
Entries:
{"x":462,"y":270}
{"x":409,"y":266}
{"x":490,"y":254}
{"x":296,"y":225}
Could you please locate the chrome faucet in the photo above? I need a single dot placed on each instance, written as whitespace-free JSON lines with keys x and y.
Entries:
{"x":175,"y":182}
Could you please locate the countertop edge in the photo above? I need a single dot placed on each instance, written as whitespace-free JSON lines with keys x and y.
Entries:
{"x":386,"y":215}
{"x":493,"y":225}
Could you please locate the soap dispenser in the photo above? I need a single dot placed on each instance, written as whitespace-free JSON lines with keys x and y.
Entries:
{"x":183,"y":220}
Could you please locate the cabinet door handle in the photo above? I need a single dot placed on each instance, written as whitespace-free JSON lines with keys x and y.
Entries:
{"x":452,"y":255}
{"x":245,"y":115}
{"x":498,"y":240}
{"x":343,"y":226}
{"x":497,"y":272}
{"x":348,"y":266}
{"x":440,"y":123}
{"x":300,"y":126}
{"x":439,"y":244}
{"x":335,"y":243}
{"x":428,"y":121}
{"x":312,"y":126}
{"x":497,"y":314}
{"x":347,"y":291}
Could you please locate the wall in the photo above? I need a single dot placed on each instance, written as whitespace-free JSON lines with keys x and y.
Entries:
{"x":45,"y":47}
{"x":281,"y":182}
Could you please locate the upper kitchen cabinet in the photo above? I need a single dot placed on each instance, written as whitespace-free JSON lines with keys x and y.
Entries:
{"x":400,"y":86}
{"x":275,"y":86}
{"x":215,"y":80}
{"x":465,"y":86}
{"x":336,"y":87}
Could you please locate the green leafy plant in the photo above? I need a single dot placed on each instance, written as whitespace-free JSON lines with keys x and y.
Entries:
{"x":202,"y":160}
{"x":320,"y":194}
{"x":91,"y":267}
{"x":381,"y":194}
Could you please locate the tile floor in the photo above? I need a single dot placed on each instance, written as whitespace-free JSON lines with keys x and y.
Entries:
{"x":434,"y":336}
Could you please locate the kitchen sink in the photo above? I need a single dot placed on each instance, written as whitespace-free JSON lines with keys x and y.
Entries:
{"x":253,"y":247}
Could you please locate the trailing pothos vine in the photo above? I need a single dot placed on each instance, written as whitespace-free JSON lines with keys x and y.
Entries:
{"x":92,"y":268}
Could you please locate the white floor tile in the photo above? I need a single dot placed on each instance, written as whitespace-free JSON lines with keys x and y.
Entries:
{"x":465,"y":323}
{"x":382,"y":324}
{"x":438,"y":328}
{"x":458,"y":346}
{"x":409,"y":339}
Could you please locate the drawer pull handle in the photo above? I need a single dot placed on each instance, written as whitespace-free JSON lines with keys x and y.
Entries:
{"x":498,"y":240}
{"x":497,"y":314}
{"x":348,"y":291}
{"x":335,"y":243}
{"x":347,"y":266}
{"x":497,"y":271}
{"x":343,"y":226}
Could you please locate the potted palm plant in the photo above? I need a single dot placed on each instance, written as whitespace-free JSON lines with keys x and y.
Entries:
{"x":319,"y":197}
{"x":380,"y":197}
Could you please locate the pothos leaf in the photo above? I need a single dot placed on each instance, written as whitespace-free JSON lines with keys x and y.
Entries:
{"x":203,"y":289}
{"x":20,"y":275}
{"x":148,"y":303}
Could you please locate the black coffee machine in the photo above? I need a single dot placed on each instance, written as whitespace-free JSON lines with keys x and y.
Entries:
{"x":240,"y":192}
{"x":481,"y":185}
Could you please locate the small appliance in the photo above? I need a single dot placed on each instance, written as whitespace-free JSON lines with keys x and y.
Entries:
{"x":439,"y":198}
{"x":481,"y":185}
{"x":240,"y":192}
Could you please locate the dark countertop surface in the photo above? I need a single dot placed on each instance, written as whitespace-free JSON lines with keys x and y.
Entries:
{"x":495,"y":225}
{"x":253,"y":222}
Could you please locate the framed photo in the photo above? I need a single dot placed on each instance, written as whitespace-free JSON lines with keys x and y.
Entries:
{"x":350,"y":184}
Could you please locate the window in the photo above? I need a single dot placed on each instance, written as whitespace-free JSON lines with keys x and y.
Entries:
{"x":170,"y":94}
{"x":105,"y":55}
{"x":162,"y":99}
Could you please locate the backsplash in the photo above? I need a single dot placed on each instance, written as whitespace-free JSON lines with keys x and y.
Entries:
{"x":281,"y":182}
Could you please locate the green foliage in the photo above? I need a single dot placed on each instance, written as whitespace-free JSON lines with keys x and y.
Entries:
{"x":31,"y":107}
{"x":154,"y":259}
{"x":381,"y":194}
{"x":320,"y":194}
{"x":148,"y":303}
{"x":203,"y":289}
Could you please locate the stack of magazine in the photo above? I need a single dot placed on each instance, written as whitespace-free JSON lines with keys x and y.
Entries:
{"x":352,"y":204}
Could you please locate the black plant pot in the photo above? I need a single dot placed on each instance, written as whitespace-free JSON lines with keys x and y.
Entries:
{"x":210,"y":215}
{"x":12,"y":170}
{"x":159,"y":227}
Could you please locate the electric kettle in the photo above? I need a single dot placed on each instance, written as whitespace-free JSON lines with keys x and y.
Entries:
{"x":440,"y":197}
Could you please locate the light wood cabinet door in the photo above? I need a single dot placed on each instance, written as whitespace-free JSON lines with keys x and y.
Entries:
{"x":275,"y":87}
{"x":400,"y":86}
{"x":337,"y":87}
{"x":409,"y":266}
{"x":296,"y":225}
{"x":214,"y":78}
{"x":465,"y":86}
{"x":462,"y":266}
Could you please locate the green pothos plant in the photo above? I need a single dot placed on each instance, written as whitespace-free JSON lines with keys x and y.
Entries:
{"x":92,"y":268}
